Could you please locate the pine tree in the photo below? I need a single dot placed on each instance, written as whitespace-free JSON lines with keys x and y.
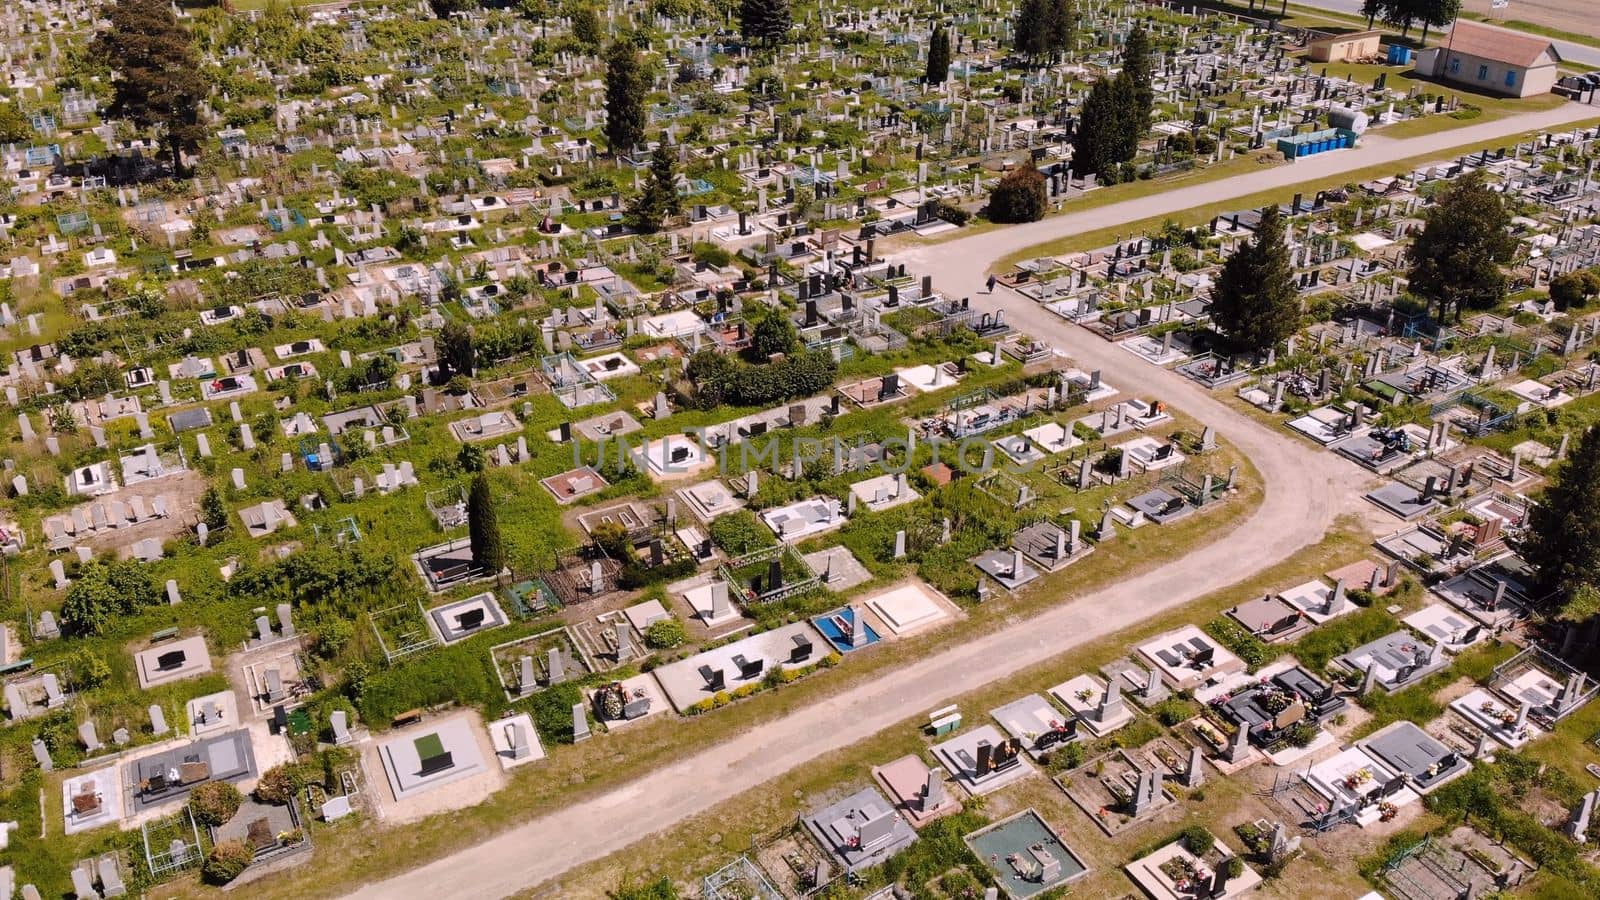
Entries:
{"x":157,"y":81}
{"x":938,"y":55}
{"x":625,"y":95}
{"x":1019,"y":197}
{"x":1254,"y":302}
{"x":765,"y":22}
{"x":1136,"y":66}
{"x":1562,"y":545}
{"x":660,"y":197}
{"x":483,"y":528}
{"x":1456,"y":259}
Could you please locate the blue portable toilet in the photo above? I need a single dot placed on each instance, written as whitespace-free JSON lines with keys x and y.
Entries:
{"x":1398,"y":55}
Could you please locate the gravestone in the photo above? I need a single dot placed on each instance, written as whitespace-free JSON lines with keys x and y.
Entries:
{"x":517,"y":740}
{"x":1238,"y":746}
{"x":173,"y":597}
{"x":933,"y":791}
{"x":1208,"y":439}
{"x":1578,"y":827}
{"x":263,"y":629}
{"x":158,"y":720}
{"x":557,"y":673}
{"x":1146,"y":793}
{"x":285,"y":620}
{"x":900,"y":544}
{"x":1194,"y":776}
{"x":336,"y":808}
{"x":41,"y":755}
{"x":340,"y":723}
{"x":87,"y":735}
{"x":525,"y":679}
{"x":624,"y":641}
{"x":1111,"y":706}
{"x":580,"y":723}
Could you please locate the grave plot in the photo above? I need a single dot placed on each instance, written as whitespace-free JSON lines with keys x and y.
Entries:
{"x":1318,"y":602}
{"x":1463,"y":862}
{"x":1143,"y":683}
{"x":461,"y":619}
{"x":703,"y":676}
{"x":982,"y":760}
{"x":1049,"y":546}
{"x":539,"y":661}
{"x":1115,"y":792}
{"x":847,"y":629}
{"x":165,"y":778}
{"x":1407,"y":750}
{"x":1448,"y":626}
{"x":1282,"y":711}
{"x":918,"y":791}
{"x":769,"y":575}
{"x":92,"y":800}
{"x":838,"y":569}
{"x":1180,"y":870}
{"x":793,"y":862}
{"x":419,"y":761}
{"x":575,"y":484}
{"x":171,"y":661}
{"x":1394,"y":661}
{"x":860,"y":831}
{"x":1494,"y":595}
{"x":1188,"y":658}
{"x":1097,"y":705}
{"x":907,"y":607}
{"x":1038,"y":725}
{"x":449,"y":565}
{"x":1551,"y":688}
{"x":1270,"y":619}
{"x":582,"y":576}
{"x":402,"y":631}
{"x":631,"y":700}
{"x":1025,"y":855}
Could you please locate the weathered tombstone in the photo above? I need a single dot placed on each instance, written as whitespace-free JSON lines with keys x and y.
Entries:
{"x":87,"y":735}
{"x":1111,"y":705}
{"x":173,"y":597}
{"x":580,"y":723}
{"x":340,"y":722}
{"x":900,"y":544}
{"x":1146,"y":793}
{"x":41,"y":755}
{"x":158,"y":720}
{"x":285,"y":620}
{"x":1238,"y":746}
{"x":1194,"y":776}
{"x":557,"y":673}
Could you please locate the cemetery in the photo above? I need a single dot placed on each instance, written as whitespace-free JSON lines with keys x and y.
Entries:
{"x":284,"y":365}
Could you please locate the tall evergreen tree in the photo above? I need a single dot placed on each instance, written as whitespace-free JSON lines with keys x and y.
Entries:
{"x":483,"y":526}
{"x":938,"y":55}
{"x":1125,"y":128}
{"x":660,"y":197}
{"x":1099,"y":132}
{"x":1059,"y":22}
{"x":157,"y":82}
{"x":1136,"y":65}
{"x":625,"y":95}
{"x":1456,"y":259}
{"x":1254,"y":302}
{"x":1030,"y":29}
{"x":765,"y":22}
{"x":1562,"y":545}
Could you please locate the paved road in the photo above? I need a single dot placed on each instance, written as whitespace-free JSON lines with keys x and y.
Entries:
{"x":1307,"y":490}
{"x":1582,"y":54}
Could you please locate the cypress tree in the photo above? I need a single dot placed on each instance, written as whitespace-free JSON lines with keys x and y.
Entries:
{"x":625,"y":96}
{"x":938,"y":55}
{"x":1136,"y":65}
{"x":457,"y":356}
{"x":1094,"y":145}
{"x":1456,"y":259}
{"x":1254,"y":302}
{"x":1125,"y":130}
{"x":483,"y":528}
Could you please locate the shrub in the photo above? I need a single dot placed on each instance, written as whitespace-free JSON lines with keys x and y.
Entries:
{"x":1197,"y":839}
{"x":226,"y":862}
{"x":665,"y":634}
{"x":277,"y":786}
{"x":1244,"y":645}
{"x":214,"y":802}
{"x":1303,"y":734}
{"x":1235,"y":867}
{"x":89,"y":669}
{"x":1019,"y":197}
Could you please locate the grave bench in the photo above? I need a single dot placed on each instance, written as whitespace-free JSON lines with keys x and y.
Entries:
{"x":409,"y":717}
{"x":165,"y":634}
{"x":943,"y":721}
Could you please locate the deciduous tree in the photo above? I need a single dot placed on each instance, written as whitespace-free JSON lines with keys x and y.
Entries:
{"x":1456,"y":259}
{"x":157,"y":82}
{"x":1019,"y":196}
{"x":457,"y":356}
